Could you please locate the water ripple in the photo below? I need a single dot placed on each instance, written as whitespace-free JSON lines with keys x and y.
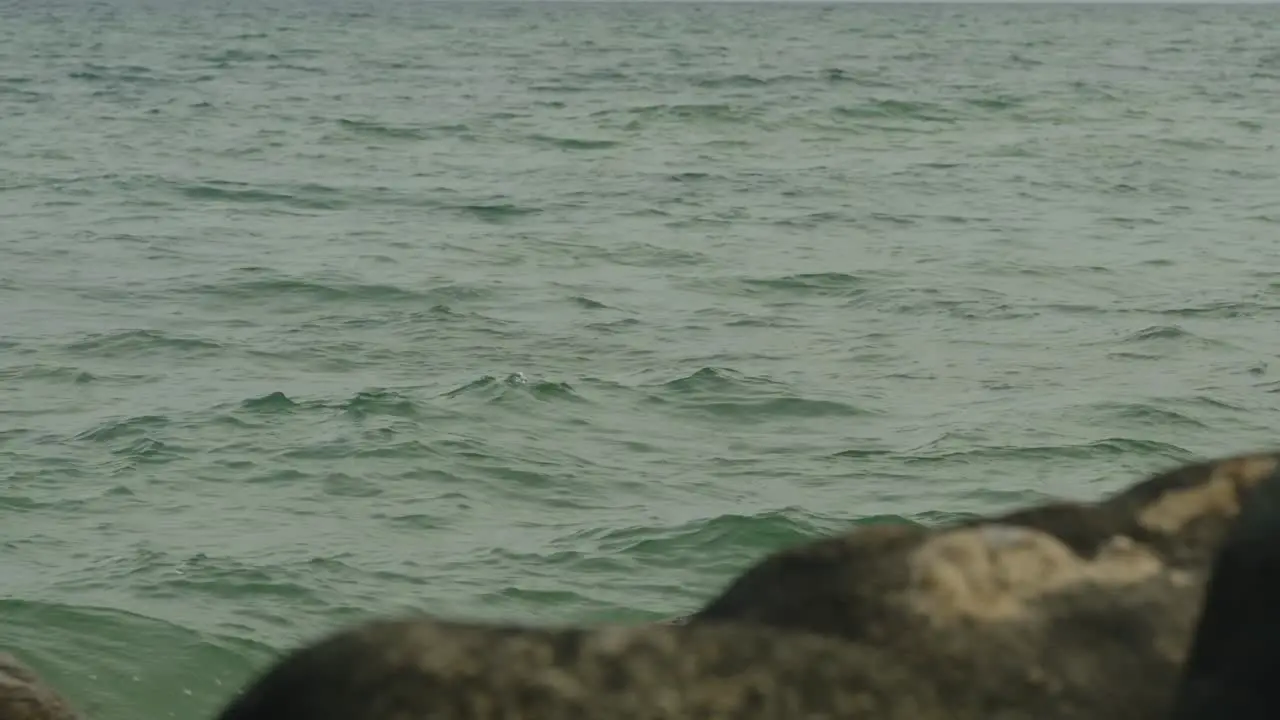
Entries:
{"x":568,"y":312}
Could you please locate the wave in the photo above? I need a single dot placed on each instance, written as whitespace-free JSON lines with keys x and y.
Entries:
{"x":574,"y":143}
{"x":1118,"y":447}
{"x":380,"y":130}
{"x":261,"y":285}
{"x":489,"y":388}
{"x":123,"y":343}
{"x":727,"y":393}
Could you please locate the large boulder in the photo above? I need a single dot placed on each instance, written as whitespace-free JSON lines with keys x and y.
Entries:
{"x":1061,"y":612}
{"x":870,"y":583}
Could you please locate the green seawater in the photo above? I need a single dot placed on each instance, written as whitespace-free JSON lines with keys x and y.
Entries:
{"x":560,"y":313}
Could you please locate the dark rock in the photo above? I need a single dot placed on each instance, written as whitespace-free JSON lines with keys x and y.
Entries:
{"x":867,"y":584}
{"x":425,"y":668}
{"x":1234,"y":657}
{"x":1062,"y":612}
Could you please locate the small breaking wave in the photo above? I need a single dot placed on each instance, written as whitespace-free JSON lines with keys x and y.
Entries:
{"x":490,"y":389}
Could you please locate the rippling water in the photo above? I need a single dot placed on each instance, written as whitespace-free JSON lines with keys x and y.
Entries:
{"x":568,"y":312}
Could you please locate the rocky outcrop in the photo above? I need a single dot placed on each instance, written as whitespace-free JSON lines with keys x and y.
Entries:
{"x":870,"y":583}
{"x":1059,"y":612}
{"x":1069,"y":611}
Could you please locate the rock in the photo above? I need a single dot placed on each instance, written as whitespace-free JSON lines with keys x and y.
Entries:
{"x":1061,"y":612}
{"x":425,"y":668}
{"x":862,"y":584}
{"x":24,"y":696}
{"x":1234,"y":655}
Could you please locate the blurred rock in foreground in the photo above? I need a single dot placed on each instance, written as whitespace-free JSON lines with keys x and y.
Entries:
{"x":1061,"y":611}
{"x":1234,"y":657}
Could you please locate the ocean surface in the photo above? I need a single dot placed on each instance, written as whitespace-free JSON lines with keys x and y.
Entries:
{"x":567,"y":313}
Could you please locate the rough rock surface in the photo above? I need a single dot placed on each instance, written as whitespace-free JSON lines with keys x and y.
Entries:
{"x":1063,"y":611}
{"x":1069,"y":611}
{"x":866,"y":583}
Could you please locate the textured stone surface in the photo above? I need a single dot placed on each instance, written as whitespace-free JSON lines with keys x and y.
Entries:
{"x":1061,"y":611}
{"x":1069,"y":611}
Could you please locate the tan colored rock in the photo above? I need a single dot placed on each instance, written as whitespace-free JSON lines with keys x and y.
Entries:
{"x":866,"y":583}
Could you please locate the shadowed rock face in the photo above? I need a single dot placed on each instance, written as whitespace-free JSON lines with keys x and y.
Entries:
{"x":1058,"y":612}
{"x":1234,"y":660}
{"x":24,"y":696}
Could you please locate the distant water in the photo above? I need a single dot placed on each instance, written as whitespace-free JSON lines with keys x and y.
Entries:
{"x":569,"y":312}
